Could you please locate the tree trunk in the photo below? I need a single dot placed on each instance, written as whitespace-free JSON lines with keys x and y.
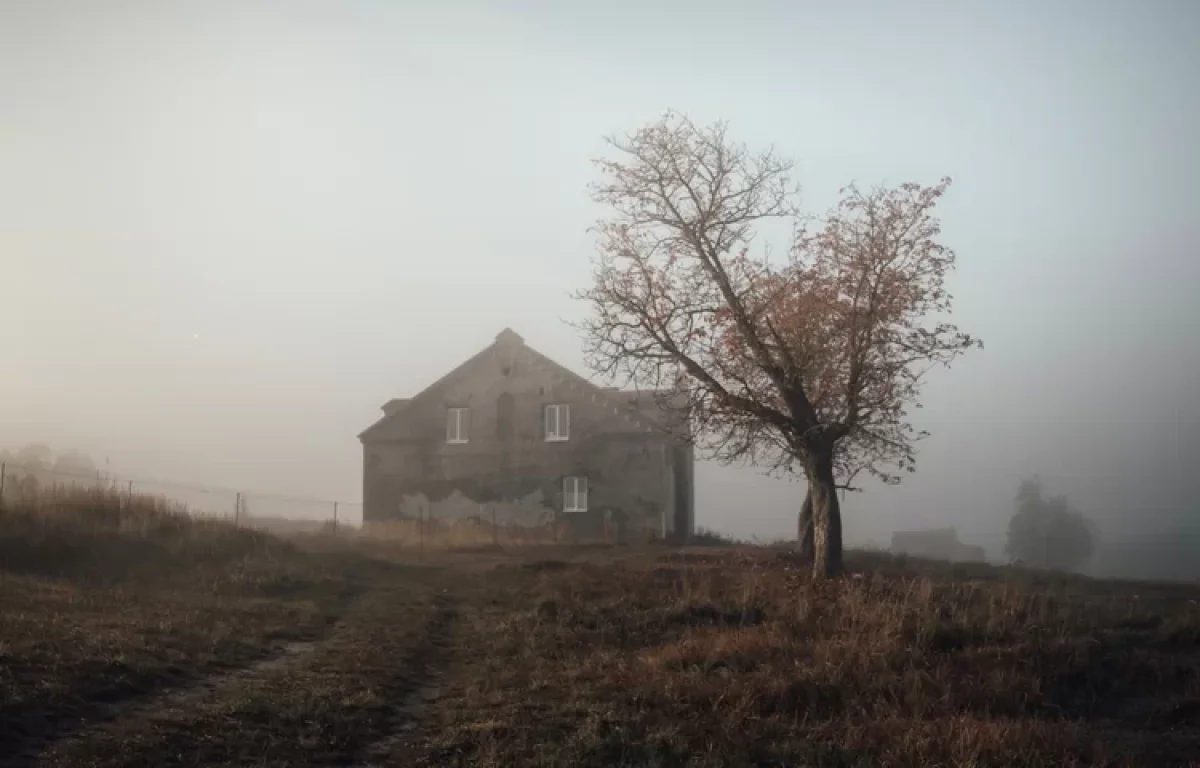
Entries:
{"x":826,"y":514}
{"x":804,"y":529}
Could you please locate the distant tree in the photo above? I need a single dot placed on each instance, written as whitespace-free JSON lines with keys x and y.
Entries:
{"x":27,"y":468}
{"x":1045,"y":532}
{"x":75,"y":465}
{"x":35,"y":466}
{"x":808,"y":363}
{"x":34,"y":457}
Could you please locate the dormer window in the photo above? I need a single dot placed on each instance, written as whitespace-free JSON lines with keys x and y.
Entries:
{"x":457,"y":421}
{"x":558,"y":423}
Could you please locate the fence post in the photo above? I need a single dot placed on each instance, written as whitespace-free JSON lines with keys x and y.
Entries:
{"x":495,"y":536}
{"x":130,"y":489}
{"x":335,"y":505}
{"x":237,"y":510}
{"x":3,"y":473}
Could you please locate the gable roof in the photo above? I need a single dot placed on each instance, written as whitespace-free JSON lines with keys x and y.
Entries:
{"x":630,"y":405}
{"x":391,"y":410}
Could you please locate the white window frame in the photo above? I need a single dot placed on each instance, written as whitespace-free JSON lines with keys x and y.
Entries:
{"x":562,"y":422}
{"x":575,"y":494}
{"x":458,"y":423}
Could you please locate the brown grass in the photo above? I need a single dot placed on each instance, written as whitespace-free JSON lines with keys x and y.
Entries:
{"x":563,"y":655}
{"x":736,"y":658}
{"x":324,"y":708}
{"x":105,"y":600}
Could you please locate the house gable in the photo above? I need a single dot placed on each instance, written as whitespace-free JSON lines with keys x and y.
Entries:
{"x":499,"y":367}
{"x":397,"y":424}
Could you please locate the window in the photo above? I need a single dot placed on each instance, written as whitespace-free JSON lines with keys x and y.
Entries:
{"x":456,"y":425}
{"x":575,"y":494}
{"x":558,"y":422}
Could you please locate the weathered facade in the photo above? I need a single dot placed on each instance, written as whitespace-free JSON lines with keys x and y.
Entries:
{"x":511,"y":435}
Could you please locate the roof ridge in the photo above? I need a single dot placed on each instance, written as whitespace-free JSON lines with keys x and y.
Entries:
{"x":441,"y":380}
{"x":512,"y":339}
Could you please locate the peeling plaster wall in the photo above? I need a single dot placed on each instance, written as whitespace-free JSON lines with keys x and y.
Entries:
{"x":411,"y":470}
{"x":529,"y":511}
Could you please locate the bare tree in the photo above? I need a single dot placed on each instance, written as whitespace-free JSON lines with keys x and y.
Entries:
{"x":845,"y":474}
{"x":807,"y":363}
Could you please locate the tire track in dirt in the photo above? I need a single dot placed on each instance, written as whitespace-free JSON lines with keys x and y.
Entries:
{"x":111,"y":715}
{"x":416,"y":685}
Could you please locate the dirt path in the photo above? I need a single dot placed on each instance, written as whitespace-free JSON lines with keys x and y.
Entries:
{"x":349,"y":697}
{"x":115,"y":715}
{"x":111,"y":715}
{"x":417,"y":684}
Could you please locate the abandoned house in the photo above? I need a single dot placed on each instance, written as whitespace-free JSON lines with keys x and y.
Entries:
{"x":511,"y":436}
{"x":936,"y":544}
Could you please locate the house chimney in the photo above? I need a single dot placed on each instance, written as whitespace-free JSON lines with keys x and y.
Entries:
{"x":391,"y":406}
{"x":508,"y":343}
{"x":509,"y":338}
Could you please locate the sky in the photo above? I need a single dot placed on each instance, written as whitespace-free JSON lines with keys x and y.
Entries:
{"x":230,"y":231}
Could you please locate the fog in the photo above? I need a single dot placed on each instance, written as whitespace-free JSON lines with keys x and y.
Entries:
{"x":230,"y":231}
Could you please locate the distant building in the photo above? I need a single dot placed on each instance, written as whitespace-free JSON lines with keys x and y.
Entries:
{"x":513,"y":434}
{"x":936,"y":544}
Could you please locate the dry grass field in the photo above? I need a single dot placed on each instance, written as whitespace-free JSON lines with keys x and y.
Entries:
{"x":132,"y":636}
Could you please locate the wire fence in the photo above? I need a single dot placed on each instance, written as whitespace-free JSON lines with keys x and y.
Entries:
{"x":275,"y":511}
{"x":33,"y":485}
